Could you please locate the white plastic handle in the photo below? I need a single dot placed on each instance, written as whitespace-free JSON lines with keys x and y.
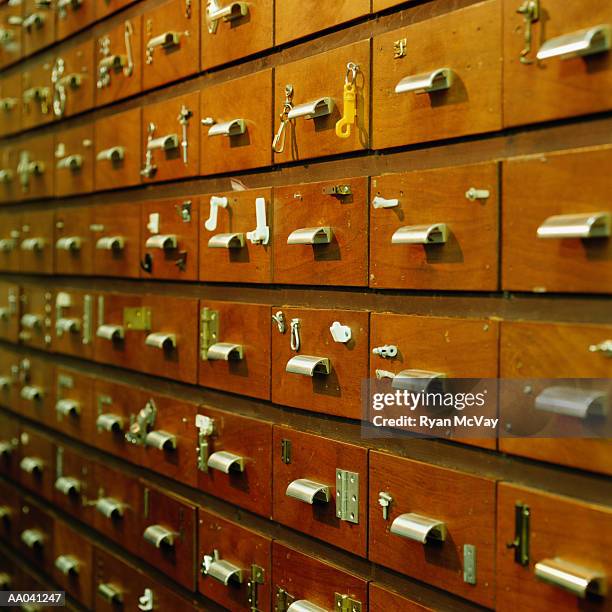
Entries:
{"x":261,"y":234}
{"x":215,"y":203}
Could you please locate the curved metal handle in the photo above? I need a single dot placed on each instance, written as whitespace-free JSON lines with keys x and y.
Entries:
{"x":159,"y":536}
{"x":226,"y":462}
{"x":585,"y":226}
{"x":580,"y":581}
{"x":113,"y":62}
{"x":32,"y":393}
{"x":303,"y":605}
{"x":70,"y":162}
{"x":110,"y":332}
{"x":68,"y":407}
{"x":32,"y":465}
{"x":436,"y":233}
{"x":8,"y":104}
{"x":589,"y":41}
{"x":426,"y":82}
{"x":605,"y":348}
{"x":110,"y":243}
{"x":31,"y":321}
{"x":223,"y":571}
{"x":32,"y":538}
{"x":69,"y":243}
{"x":7,"y":244}
{"x":110,"y":593}
{"x":113,"y":154}
{"x":165,"y":40}
{"x":33,"y":244}
{"x":308,"y":365}
{"x":160,"y":241}
{"x":159,"y":340}
{"x":419,"y":528}
{"x":235,"y":127}
{"x":308,"y":491}
{"x":68,"y":486}
{"x":34,"y":19}
{"x":66,"y":325}
{"x":313,"y":109}
{"x":569,"y":401}
{"x":226,"y":241}
{"x":6,"y":448}
{"x":67,"y":565}
{"x":6,"y":175}
{"x":161,"y":440}
{"x":109,"y":422}
{"x":225,"y":351}
{"x":311,"y":235}
{"x":418,"y":380}
{"x":5,"y":581}
{"x":215,"y":12}
{"x":110,"y":508}
{"x":166,"y":143}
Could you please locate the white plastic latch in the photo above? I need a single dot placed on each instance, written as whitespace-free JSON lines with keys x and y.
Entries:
{"x":340,"y":333}
{"x":153,"y":224}
{"x":215,"y":202}
{"x":261,"y":234}
{"x":379,"y":202}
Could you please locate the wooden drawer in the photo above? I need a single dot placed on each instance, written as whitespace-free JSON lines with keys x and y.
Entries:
{"x":231,"y":557}
{"x":116,"y":240}
{"x":316,"y":136}
{"x":74,"y":410}
{"x":119,"y":63}
{"x":35,"y":168}
{"x":74,"y":161}
{"x":10,"y":508}
{"x":36,"y":389}
{"x":170,"y":138}
{"x":168,"y":535}
{"x":302,"y":383}
{"x":569,"y":541}
{"x":232,"y":466}
{"x":37,"y":93}
{"x":36,"y":462}
{"x":171,"y":42}
{"x":233,"y":30}
{"x":315,"y":478}
{"x":295,"y":18}
{"x":73,"y":243}
{"x":10,"y":21}
{"x":432,"y":104}
{"x":542,"y":250}
{"x":73,"y":486}
{"x":235,"y":347}
{"x":104,"y":8}
{"x":300,"y":577}
{"x":37,"y":246}
{"x":9,"y":376}
{"x":10,"y":102}
{"x":10,"y":185}
{"x":225,"y":257}
{"x":74,"y":17}
{"x":10,"y":231}
{"x":9,"y":311}
{"x":382,"y":599}
{"x":436,"y":229}
{"x":117,"y":158}
{"x":540,"y":351}
{"x":381,"y":5}
{"x":441,"y":347}
{"x":76,"y":79}
{"x":433,"y":528}
{"x":540,"y":80}
{"x":36,"y":323}
{"x":38,"y":26}
{"x":74,"y":311}
{"x":9,"y":461}
{"x":320,"y":234}
{"x":169,"y":239}
{"x":238,"y":131}
{"x":73,"y":563}
{"x":36,"y":536}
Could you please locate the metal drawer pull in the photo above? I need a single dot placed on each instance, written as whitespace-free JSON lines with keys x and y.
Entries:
{"x":226,"y":462}
{"x":604,"y":347}
{"x":307,"y":365}
{"x":582,"y":43}
{"x":426,"y":82}
{"x":226,"y":241}
{"x":579,"y":581}
{"x":68,"y":407}
{"x":68,"y":243}
{"x":6,"y":175}
{"x":161,"y":341}
{"x":31,"y":465}
{"x":5,"y":581}
{"x":110,"y":243}
{"x":308,"y":491}
{"x":5,"y":383}
{"x":71,"y":162}
{"x":65,"y":325}
{"x":110,"y":332}
{"x":303,"y":605}
{"x":161,"y":440}
{"x":235,"y":127}
{"x":67,"y":565}
{"x":379,"y":202}
{"x":311,"y":110}
{"x":110,"y":508}
{"x":33,"y":244}
{"x":35,"y":19}
{"x":6,"y":449}
{"x":5,"y":514}
{"x":113,"y":62}
{"x":311,"y":235}
{"x":215,"y":12}
{"x":32,"y":538}
{"x":110,"y":593}
{"x":161,"y":241}
{"x":419,"y":528}
{"x":8,"y":104}
{"x":159,"y":536}
{"x":165,"y":41}
{"x":4,"y":313}
{"x":416,"y":380}
{"x":67,"y":485}
{"x":569,"y":401}
{"x":31,"y":321}
{"x":436,"y":233}
{"x":31,"y":393}
{"x":8,"y":36}
{"x":7,"y":244}
{"x":587,"y":225}
{"x":40,"y":94}
{"x":166,"y":143}
{"x":63,"y":5}
{"x":109,"y":422}
{"x":225,"y":351}
{"x":224,"y":571}
{"x":114,"y":154}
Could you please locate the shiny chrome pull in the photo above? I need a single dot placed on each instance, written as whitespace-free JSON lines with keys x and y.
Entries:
{"x":569,"y":401}
{"x":110,"y":332}
{"x":70,"y":162}
{"x":226,"y":241}
{"x":64,"y":5}
{"x":578,"y":580}
{"x":33,"y":244}
{"x":32,"y":393}
{"x":587,"y":225}
{"x":235,"y":127}
{"x":436,"y":233}
{"x":604,"y":347}
{"x":111,"y":423}
{"x":6,"y":449}
{"x":215,"y":12}
{"x":308,"y":491}
{"x":68,"y":243}
{"x":159,"y":536}
{"x":66,"y":325}
{"x":311,"y":235}
{"x":110,"y":593}
{"x":113,"y":62}
{"x":166,"y":143}
{"x":5,"y":581}
{"x":67,"y":565}
{"x":6,"y":176}
{"x":426,"y":82}
{"x":34,"y":20}
{"x":7,"y":244}
{"x":160,"y":241}
{"x":110,"y":508}
{"x":68,"y":408}
{"x":110,"y":243}
{"x":8,"y":104}
{"x":223,"y":571}
{"x":161,"y":440}
{"x":159,"y":340}
{"x":225,"y":351}
{"x":31,"y":321}
{"x":33,"y":538}
{"x":414,"y":380}
{"x":419,"y":528}
{"x":226,"y":462}
{"x":68,"y":486}
{"x":303,"y":605}
{"x":167,"y":40}
{"x":32,"y":465}
{"x":114,"y":154}
{"x":589,"y":41}
{"x":311,"y":110}
{"x":307,"y":365}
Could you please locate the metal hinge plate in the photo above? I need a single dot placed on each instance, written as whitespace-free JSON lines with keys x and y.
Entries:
{"x":286,"y":451}
{"x":209,"y":330}
{"x":283,"y":600}
{"x":347,"y":496}
{"x":137,"y":319}
{"x":257,"y":578}
{"x":345,"y":604}
{"x":469,"y":563}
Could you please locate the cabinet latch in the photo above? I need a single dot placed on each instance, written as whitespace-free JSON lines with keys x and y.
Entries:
{"x":521,"y":534}
{"x":209,"y":330}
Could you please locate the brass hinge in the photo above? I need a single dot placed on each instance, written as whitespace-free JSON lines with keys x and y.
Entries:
{"x":345,"y":604}
{"x":347,"y":496}
{"x":137,"y":319}
{"x":209,"y":330}
{"x":257,"y":578}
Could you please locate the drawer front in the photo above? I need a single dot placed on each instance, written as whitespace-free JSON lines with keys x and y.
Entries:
{"x":427,"y":527}
{"x":36,"y":324}
{"x":562,"y":531}
{"x":104,"y":8}
{"x":10,"y":231}
{"x":9,"y":463}
{"x":74,"y":161}
{"x":242,"y":258}
{"x":319,"y":81}
{"x":557,"y":85}
{"x":38,"y":26}
{"x":117,"y":157}
{"x":74,"y":404}
{"x":37,"y":93}
{"x":73,"y":485}
{"x":10,"y":101}
{"x":116,"y":240}
{"x":245,"y":30}
{"x":383,"y":599}
{"x":35,"y":169}
{"x":73,"y":242}
{"x":380,"y":5}
{"x":247,"y":556}
{"x":36,"y":389}
{"x":313,"y":16}
{"x":74,"y":17}
{"x":74,"y":324}
{"x":441,"y":347}
{"x":10,"y":508}
{"x":10,"y":186}
{"x":542,"y":251}
{"x":170,"y":138}
{"x":320,"y":234}
{"x":436,"y":229}
{"x":312,"y":477}
{"x":171,"y":42}
{"x":36,"y":536}
{"x":448,"y":73}
{"x":10,"y":303}
{"x":167,"y":538}
{"x":548,"y":351}
{"x":73,"y":563}
{"x":76,"y":80}
{"x":37,"y":246}
{"x":9,"y":373}
{"x":303,"y":383}
{"x":232,"y":466}
{"x":36,"y":462}
{"x":298,"y":577}
{"x":169,"y":239}
{"x":12,"y":50}
{"x":240,"y":136}
{"x":235,"y":347}
{"x":119,"y":62}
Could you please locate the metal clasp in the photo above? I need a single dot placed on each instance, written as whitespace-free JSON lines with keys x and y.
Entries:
{"x":530,"y":9}
{"x":278,"y":144}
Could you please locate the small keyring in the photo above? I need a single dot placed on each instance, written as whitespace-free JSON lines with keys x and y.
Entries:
{"x":351,"y":73}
